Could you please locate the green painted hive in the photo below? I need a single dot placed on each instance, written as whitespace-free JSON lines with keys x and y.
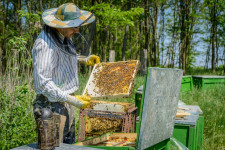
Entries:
{"x":187,"y":84}
{"x":189,"y":131}
{"x":208,"y":81}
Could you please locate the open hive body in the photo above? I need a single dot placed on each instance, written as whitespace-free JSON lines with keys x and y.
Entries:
{"x":109,"y":80}
{"x":103,"y":117}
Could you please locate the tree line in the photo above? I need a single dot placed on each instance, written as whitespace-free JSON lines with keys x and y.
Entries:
{"x":166,"y":33}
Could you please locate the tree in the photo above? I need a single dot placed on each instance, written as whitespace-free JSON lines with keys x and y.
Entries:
{"x":214,"y":14}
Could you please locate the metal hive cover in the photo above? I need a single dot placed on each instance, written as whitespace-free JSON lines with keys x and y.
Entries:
{"x":160,"y":106}
{"x":208,"y":76}
{"x":112,"y":79}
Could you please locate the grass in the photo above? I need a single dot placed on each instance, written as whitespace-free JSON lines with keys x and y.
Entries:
{"x":201,"y":71}
{"x":17,"y":125}
{"x":212,"y":103}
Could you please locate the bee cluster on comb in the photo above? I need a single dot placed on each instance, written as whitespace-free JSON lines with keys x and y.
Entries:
{"x":96,"y":126}
{"x":110,"y":79}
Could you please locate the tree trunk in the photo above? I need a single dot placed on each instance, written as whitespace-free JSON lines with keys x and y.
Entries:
{"x":104,"y":40}
{"x":224,"y":60}
{"x":154,"y":34}
{"x":213,"y":36}
{"x":217,"y":47}
{"x":0,"y":59}
{"x":207,"y":56}
{"x":173,"y":41}
{"x":4,"y":41}
{"x":1,"y":33}
{"x":143,"y":58}
{"x":125,"y":43}
{"x":146,"y":24}
{"x":41,"y":6}
{"x":145,"y":31}
{"x":188,"y":33}
{"x":180,"y":55}
{"x":213,"y":49}
{"x":144,"y":41}
{"x":182,"y":35}
{"x":163,"y":30}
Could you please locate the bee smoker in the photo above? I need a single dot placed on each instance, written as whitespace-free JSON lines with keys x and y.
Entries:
{"x":45,"y":129}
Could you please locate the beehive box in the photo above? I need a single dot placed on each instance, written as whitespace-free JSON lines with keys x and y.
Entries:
{"x":102,"y":117}
{"x":109,"y":80}
{"x":207,"y":81}
{"x":189,"y":131}
{"x":187,"y":84}
{"x":112,"y":80}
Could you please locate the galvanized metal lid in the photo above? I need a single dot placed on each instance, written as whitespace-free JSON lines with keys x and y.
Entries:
{"x":139,"y":90}
{"x":188,"y":120}
{"x":161,"y":95}
{"x":188,"y":76}
{"x":208,"y":76}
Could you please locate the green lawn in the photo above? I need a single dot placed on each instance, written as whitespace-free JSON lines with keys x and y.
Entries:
{"x":212,"y":103}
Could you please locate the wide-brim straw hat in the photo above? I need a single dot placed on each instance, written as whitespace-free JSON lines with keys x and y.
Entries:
{"x":67,"y":16}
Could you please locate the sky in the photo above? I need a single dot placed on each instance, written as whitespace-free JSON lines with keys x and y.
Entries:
{"x":200,"y":46}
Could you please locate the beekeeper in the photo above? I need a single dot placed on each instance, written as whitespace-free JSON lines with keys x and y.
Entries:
{"x":55,"y":63}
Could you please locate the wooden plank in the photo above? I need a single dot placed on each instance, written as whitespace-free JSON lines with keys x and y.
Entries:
{"x":111,"y":139}
{"x":109,"y":106}
{"x":182,"y":114}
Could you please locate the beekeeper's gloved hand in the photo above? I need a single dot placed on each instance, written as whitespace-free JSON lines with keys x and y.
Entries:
{"x":78,"y":101}
{"x":92,"y":60}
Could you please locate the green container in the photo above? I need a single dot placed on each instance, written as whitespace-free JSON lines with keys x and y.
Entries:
{"x":138,"y":97}
{"x":187,"y":84}
{"x":208,"y":81}
{"x":190,"y":130}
